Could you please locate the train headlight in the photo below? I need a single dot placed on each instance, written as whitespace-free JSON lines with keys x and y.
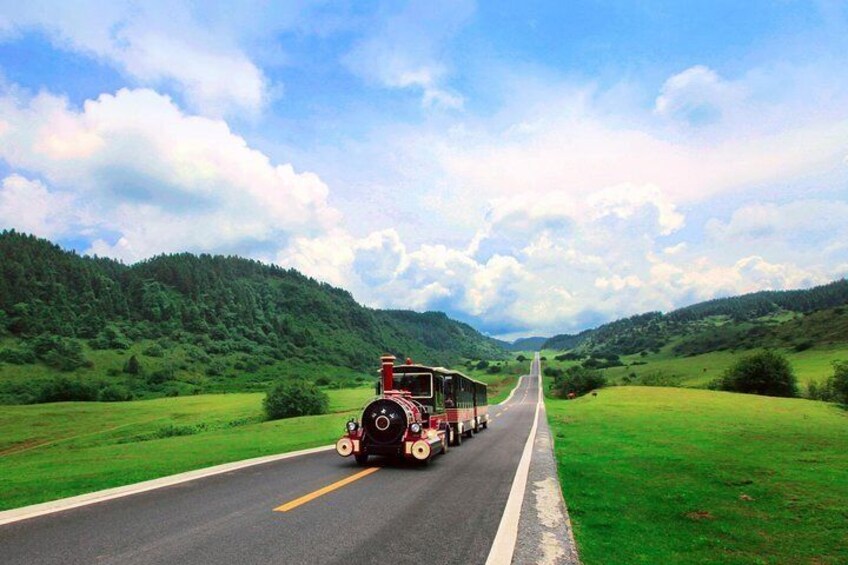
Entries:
{"x":351,"y":426}
{"x":415,"y":428}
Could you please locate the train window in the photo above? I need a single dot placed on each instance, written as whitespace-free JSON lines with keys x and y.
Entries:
{"x":419,"y":384}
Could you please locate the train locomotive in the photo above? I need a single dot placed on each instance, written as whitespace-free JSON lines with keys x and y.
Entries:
{"x":419,"y":412}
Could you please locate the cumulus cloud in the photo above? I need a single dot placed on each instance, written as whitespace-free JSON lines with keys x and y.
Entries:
{"x":28,"y":206}
{"x":157,"y":179}
{"x":155,"y":43}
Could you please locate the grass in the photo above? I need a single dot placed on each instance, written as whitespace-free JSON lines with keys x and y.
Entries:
{"x":238,"y":372}
{"x":50,"y":451}
{"x":672,"y":475}
{"x":696,"y":371}
{"x":499,"y":384}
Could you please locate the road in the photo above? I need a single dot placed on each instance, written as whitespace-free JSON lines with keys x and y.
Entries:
{"x":447,"y":512}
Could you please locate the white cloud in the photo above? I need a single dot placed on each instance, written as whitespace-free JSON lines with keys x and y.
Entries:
{"x":155,"y":43}
{"x":161,"y":179}
{"x":697,"y":96}
{"x":406,"y":50}
{"x":28,"y":206}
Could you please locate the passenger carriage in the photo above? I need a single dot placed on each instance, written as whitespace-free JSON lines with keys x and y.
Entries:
{"x":419,"y":412}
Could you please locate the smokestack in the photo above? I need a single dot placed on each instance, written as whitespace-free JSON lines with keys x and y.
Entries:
{"x":388,"y":362}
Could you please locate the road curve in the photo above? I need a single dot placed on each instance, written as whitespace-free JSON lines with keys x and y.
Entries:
{"x":447,"y":512}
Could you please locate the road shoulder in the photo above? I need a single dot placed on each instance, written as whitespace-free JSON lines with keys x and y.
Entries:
{"x":545,"y":534}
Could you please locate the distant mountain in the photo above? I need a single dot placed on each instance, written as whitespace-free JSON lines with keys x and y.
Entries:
{"x":225,"y":306}
{"x":759,"y":319}
{"x":526,"y":344}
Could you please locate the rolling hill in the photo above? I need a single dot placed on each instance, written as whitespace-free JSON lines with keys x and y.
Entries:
{"x":794,"y":319}
{"x":193,"y":323}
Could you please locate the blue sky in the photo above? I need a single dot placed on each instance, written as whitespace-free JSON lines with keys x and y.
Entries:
{"x":532,"y":168}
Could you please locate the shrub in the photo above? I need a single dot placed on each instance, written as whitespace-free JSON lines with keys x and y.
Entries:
{"x":60,"y":353}
{"x":63,"y":389}
{"x":22,"y":356}
{"x":552,"y":372}
{"x":494,"y":369}
{"x":767,"y":373}
{"x":133,"y":366}
{"x":162,"y":375}
{"x":521,"y":358}
{"x":114,"y":393}
{"x":840,"y":381}
{"x":295,"y":398}
{"x":578,"y":380}
{"x":154,"y":350}
{"x":322,"y":381}
{"x":216,"y":368}
{"x":482,"y":364}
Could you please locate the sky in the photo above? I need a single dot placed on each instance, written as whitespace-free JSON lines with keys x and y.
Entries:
{"x":532,"y":168}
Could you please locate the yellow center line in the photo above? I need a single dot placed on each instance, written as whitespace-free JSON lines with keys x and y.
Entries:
{"x":322,"y":491}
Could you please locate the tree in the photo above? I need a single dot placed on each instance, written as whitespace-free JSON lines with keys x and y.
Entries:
{"x":767,"y":373}
{"x":578,"y":380}
{"x":288,"y":399}
{"x":133,"y":366}
{"x":840,"y":381}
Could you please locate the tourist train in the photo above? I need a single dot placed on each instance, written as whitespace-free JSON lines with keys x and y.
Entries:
{"x":420,"y":412}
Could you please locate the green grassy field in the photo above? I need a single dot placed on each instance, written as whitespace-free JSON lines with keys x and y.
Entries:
{"x":50,"y":451}
{"x":696,"y":371}
{"x":500,"y":384}
{"x":672,"y":475}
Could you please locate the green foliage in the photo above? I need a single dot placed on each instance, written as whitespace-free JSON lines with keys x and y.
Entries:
{"x":17,"y":355}
{"x":288,"y":399}
{"x":521,"y":358}
{"x":482,"y":365}
{"x":133,"y":366}
{"x":577,"y":380}
{"x":64,"y":389}
{"x":154,"y":350}
{"x":60,"y":353}
{"x":494,"y":369}
{"x":114,"y":393}
{"x":768,"y":373}
{"x":840,"y":382}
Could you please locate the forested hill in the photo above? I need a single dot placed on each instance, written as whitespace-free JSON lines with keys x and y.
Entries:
{"x":221,"y":305}
{"x":759,"y":319}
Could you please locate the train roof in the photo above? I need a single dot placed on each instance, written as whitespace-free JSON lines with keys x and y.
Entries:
{"x":443,"y":370}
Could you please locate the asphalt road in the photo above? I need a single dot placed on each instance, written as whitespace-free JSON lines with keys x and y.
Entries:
{"x":447,"y":512}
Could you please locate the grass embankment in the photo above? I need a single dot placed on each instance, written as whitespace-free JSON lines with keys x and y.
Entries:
{"x":813,"y":365}
{"x":51,"y":451}
{"x":500,"y":384}
{"x":665,"y":475}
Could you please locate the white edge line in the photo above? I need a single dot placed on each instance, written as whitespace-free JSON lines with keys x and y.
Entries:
{"x":508,"y":398}
{"x":27,"y":512}
{"x":503,"y":546}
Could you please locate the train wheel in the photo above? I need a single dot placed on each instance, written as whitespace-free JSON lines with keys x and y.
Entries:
{"x":457,"y":436}
{"x":361,"y":458}
{"x":446,"y":441}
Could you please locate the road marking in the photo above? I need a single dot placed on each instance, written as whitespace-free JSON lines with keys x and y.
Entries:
{"x":503,"y":547}
{"x":322,"y":491}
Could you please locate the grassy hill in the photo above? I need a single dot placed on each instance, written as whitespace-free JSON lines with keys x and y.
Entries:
{"x":89,"y":328}
{"x":669,"y":475}
{"x":798,"y":319}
